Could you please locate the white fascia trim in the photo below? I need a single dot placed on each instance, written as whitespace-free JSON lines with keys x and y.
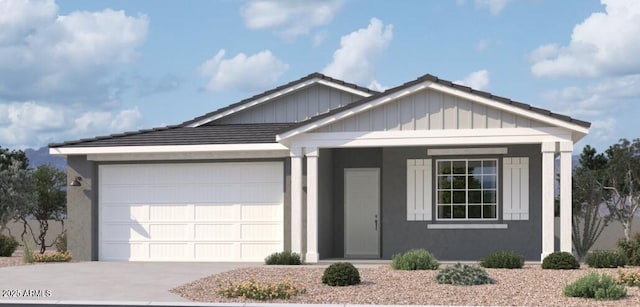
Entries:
{"x":210,"y":155}
{"x":61,"y":151}
{"x":344,"y":88}
{"x":501,"y":136}
{"x":508,"y":108}
{"x":437,"y":87}
{"x":351,"y":111}
{"x":467,"y":226}
{"x":256,"y":102}
{"x":467,"y":151}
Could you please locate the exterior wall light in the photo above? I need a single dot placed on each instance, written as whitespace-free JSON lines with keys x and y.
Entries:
{"x":76,"y":182}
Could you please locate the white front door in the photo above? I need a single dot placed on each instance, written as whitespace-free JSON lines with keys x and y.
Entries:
{"x":362,"y":212}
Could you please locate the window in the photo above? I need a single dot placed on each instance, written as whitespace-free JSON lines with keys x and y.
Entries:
{"x":467,"y":189}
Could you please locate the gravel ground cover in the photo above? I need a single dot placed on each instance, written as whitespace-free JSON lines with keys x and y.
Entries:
{"x":529,"y":286}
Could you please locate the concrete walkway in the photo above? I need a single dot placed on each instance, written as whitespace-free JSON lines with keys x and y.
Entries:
{"x":105,"y":281}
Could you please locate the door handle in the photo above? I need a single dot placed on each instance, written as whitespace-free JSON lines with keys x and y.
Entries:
{"x":375,"y":221}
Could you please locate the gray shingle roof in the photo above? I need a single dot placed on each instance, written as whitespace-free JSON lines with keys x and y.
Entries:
{"x":177,"y":135}
{"x":450,"y":84}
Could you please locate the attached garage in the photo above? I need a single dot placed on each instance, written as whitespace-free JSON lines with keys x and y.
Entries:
{"x":190,"y":211}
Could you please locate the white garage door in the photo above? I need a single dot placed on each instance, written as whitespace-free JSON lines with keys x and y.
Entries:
{"x":191,"y":212}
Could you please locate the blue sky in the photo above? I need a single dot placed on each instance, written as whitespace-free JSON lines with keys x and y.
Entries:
{"x":71,"y":69}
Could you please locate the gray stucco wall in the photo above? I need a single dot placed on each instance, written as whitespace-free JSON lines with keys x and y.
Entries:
{"x":82,"y":209}
{"x":325,"y":203}
{"x":398,"y":234}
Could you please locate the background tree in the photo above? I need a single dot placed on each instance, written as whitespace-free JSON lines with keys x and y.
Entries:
{"x":16,"y":186}
{"x":50,"y":188}
{"x":622,"y":186}
{"x":588,"y":196}
{"x":16,"y":191}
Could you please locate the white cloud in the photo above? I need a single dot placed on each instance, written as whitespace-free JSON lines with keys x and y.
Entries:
{"x":319,"y":38}
{"x":478,"y":80}
{"x":376,"y":86}
{"x":33,"y":124}
{"x":605,"y":97}
{"x":63,"y":58}
{"x":494,"y":6}
{"x":482,"y":45}
{"x":242,"y":72}
{"x":289,"y":18}
{"x":354,"y":61}
{"x":604,"y":44}
{"x":604,"y":129}
{"x":543,"y":52}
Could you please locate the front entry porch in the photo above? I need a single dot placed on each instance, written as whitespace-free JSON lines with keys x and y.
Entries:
{"x":325,"y":226}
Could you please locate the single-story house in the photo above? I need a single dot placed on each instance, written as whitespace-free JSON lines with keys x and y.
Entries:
{"x":328,"y":169}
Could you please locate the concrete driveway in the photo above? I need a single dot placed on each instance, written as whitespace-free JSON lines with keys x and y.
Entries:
{"x":107,"y":281}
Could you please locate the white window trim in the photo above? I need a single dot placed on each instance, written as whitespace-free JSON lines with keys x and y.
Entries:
{"x":437,"y":215}
{"x":467,"y":151}
{"x":467,"y":226}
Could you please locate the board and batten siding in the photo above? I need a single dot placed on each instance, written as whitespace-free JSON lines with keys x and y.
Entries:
{"x":297,"y":106}
{"x":430,"y":110}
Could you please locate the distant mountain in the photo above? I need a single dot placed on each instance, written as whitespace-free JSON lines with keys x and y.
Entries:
{"x":42,"y":156}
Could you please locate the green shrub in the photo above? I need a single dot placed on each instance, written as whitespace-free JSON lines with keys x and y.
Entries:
{"x":283,"y":258}
{"x":61,"y":242}
{"x":560,"y":261}
{"x":415,"y":259}
{"x":606,"y":259}
{"x":257,"y":291}
{"x":503,"y":260}
{"x":593,"y":285}
{"x":462,"y":274}
{"x":631,"y":279}
{"x":341,"y":274}
{"x":631,"y":249}
{"x":52,"y":257}
{"x":8,"y":245}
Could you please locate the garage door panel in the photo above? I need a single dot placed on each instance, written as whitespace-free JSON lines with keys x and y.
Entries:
{"x":171,"y":212}
{"x":186,"y":212}
{"x":260,"y":232}
{"x":217,"y":232}
{"x":251,"y":250}
{"x":124,"y":251}
{"x":125,"y":232}
{"x":168,"y":251}
{"x":120,"y":213}
{"x":261,"y":212}
{"x":170,"y":232}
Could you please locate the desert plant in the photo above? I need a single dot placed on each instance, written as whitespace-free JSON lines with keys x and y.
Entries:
{"x":631,"y":279}
{"x":462,"y":274}
{"x":61,"y":242}
{"x":594,"y":285}
{"x":27,"y":256}
{"x":631,"y":249}
{"x":283,"y":258}
{"x":560,"y":261}
{"x":8,"y":245}
{"x":503,"y":260}
{"x":606,"y":259}
{"x":257,"y":291}
{"x":52,"y":257}
{"x":341,"y":274}
{"x":415,"y":259}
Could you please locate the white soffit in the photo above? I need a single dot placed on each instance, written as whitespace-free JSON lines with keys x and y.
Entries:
{"x":61,"y":151}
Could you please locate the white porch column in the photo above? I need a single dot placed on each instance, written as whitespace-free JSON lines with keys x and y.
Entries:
{"x":548,"y":151}
{"x":312,"y":206}
{"x":566,"y":149}
{"x":296,"y":200}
